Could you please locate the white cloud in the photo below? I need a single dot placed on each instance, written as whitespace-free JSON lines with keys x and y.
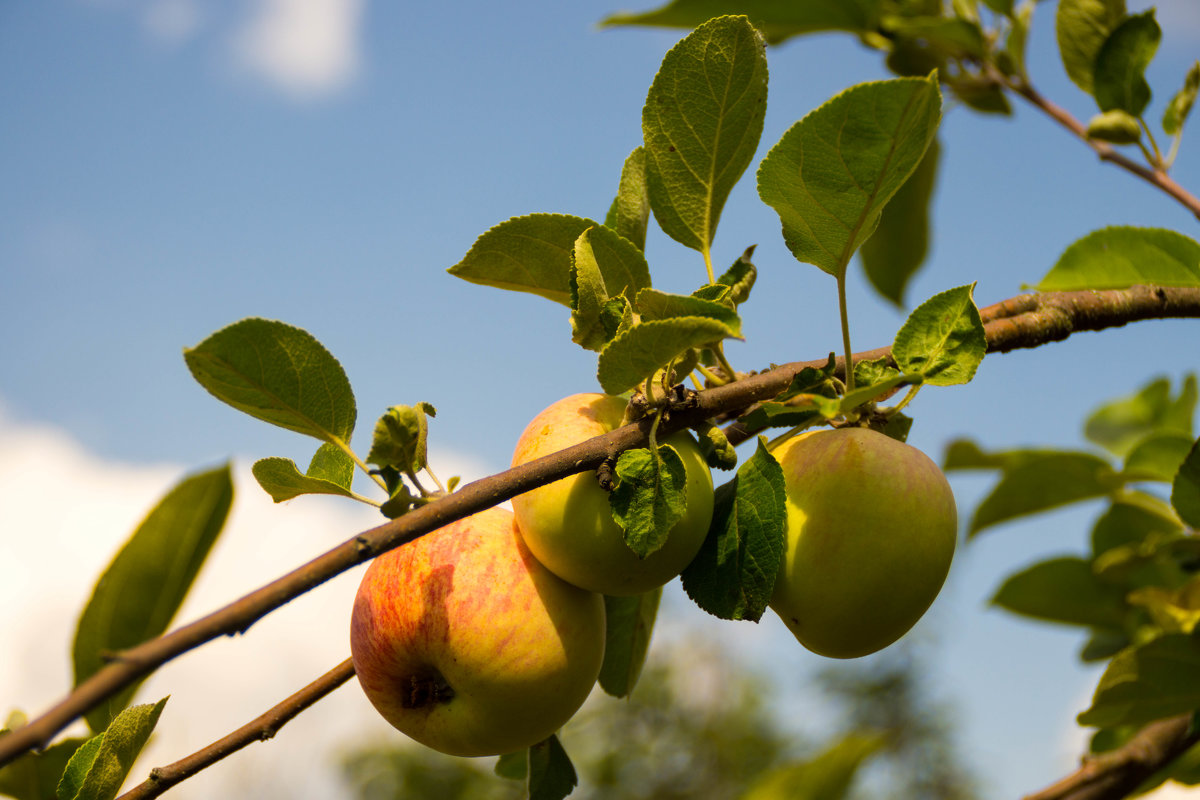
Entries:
{"x":305,"y":47}
{"x":64,"y":512}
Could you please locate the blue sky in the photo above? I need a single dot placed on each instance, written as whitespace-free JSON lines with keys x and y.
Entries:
{"x":171,"y":167}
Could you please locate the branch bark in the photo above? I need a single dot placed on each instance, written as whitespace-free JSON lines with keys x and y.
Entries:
{"x":1115,"y":774}
{"x":259,"y":729}
{"x":1026,"y":321}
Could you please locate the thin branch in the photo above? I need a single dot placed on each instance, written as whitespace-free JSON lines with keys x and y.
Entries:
{"x":1117,"y":773}
{"x":1107,"y":152}
{"x":1047,"y":317}
{"x":259,"y":729}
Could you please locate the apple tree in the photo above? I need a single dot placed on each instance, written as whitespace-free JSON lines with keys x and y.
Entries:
{"x":851,"y":177}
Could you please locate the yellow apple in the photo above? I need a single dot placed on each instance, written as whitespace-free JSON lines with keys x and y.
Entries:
{"x":568,"y":525}
{"x":467,"y":644}
{"x":871,"y":531}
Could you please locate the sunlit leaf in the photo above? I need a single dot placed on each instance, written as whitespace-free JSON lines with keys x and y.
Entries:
{"x":1081,"y":27}
{"x":1120,"y":257}
{"x":637,"y":353}
{"x":1119,"y":425}
{"x":331,"y":471}
{"x":1119,"y":80}
{"x":1180,"y":107}
{"x":943,"y":340}
{"x":828,"y":776}
{"x":96,"y":771}
{"x":1147,"y":682}
{"x":629,"y":214}
{"x":1063,"y":590}
{"x":1041,"y":482}
{"x":701,"y":124}
{"x":776,"y":19}
{"x":650,"y":496}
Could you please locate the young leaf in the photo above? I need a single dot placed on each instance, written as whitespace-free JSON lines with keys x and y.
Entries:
{"x":1081,"y":27}
{"x":943,"y":339}
{"x":1171,"y":611}
{"x":828,"y":776}
{"x":1115,"y":127}
{"x":589,"y":296}
{"x":629,"y":214}
{"x":733,"y":575}
{"x":143,"y":587}
{"x":1018,"y":37}
{"x":653,"y":304}
{"x":1063,"y":590}
{"x":1180,"y":107}
{"x":1041,"y":482}
{"x":715,"y":446}
{"x":533,"y":254}
{"x":35,"y":776}
{"x":638,"y":352}
{"x":778,"y":20}
{"x":1120,"y":257}
{"x":551,"y":774}
{"x":831,"y":173}
{"x":701,"y":123}
{"x":1185,"y":491}
{"x":898,"y":247}
{"x":629,"y":622}
{"x":740,"y":278}
{"x":400,"y":438}
{"x":649,"y":497}
{"x":279,"y":374}
{"x":330,"y":472}
{"x":1119,"y":80}
{"x":96,"y":772}
{"x":1147,"y":682}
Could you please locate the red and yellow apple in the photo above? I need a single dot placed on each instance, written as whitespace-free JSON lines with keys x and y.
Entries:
{"x":467,"y":644}
{"x":871,"y":531}
{"x":568,"y":524}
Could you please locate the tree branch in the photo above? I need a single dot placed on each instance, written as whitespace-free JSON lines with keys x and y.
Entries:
{"x":1117,"y":773}
{"x":1156,"y":178}
{"x":259,"y":729}
{"x":1027,"y":321}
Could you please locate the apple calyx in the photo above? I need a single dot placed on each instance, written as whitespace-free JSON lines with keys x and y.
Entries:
{"x":427,"y":691}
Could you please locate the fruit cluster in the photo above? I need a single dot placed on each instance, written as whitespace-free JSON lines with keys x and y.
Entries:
{"x":486,"y":636}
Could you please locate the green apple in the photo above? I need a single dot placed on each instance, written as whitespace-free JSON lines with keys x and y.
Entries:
{"x":871,"y":531}
{"x":568,"y":524}
{"x":467,"y":644}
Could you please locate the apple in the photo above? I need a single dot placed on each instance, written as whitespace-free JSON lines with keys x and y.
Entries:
{"x":467,"y":644}
{"x":568,"y":524}
{"x":871,"y":531}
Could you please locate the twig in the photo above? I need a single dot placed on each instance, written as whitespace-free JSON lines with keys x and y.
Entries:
{"x":259,"y":729}
{"x":1117,"y":773}
{"x":1107,"y":152}
{"x":1054,"y":316}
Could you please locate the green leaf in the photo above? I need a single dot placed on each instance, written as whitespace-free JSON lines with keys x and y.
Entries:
{"x":629,"y":622}
{"x":828,"y":776}
{"x":96,"y":772}
{"x":636,"y":353}
{"x":533,"y":254}
{"x":330,"y":472}
{"x":740,"y":277}
{"x":1147,"y":682}
{"x":649,"y":497}
{"x":629,"y":214}
{"x":778,"y":415}
{"x":1041,"y":482}
{"x":701,"y":124}
{"x":551,"y":774}
{"x":513,"y":766}
{"x":35,"y":775}
{"x":1119,"y":80}
{"x":1063,"y":590}
{"x":279,"y":374}
{"x":831,"y":173}
{"x":778,"y":20}
{"x":589,"y":297}
{"x":1115,"y":127}
{"x":714,"y":444}
{"x":655,"y":305}
{"x":1119,"y":425}
{"x":1120,"y":257}
{"x":143,"y":587}
{"x":981,"y":94}
{"x":1158,"y":457}
{"x":733,"y":575}
{"x":1134,"y":518}
{"x":900,"y":243}
{"x":1171,"y":611}
{"x":1018,"y":37}
{"x":1185,"y":491}
{"x":1082,"y":26}
{"x":950,"y":37}
{"x":1180,"y":107}
{"x":943,"y":339}
{"x":400,"y":438}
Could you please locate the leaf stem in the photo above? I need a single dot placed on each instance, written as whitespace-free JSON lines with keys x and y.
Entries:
{"x":345,"y":448}
{"x":708,"y":265}
{"x":710,"y":376}
{"x":726,"y":367}
{"x":842,"y":312}
{"x":908,"y":397}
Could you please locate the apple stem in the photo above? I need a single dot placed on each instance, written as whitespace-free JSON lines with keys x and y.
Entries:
{"x":849,"y":358}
